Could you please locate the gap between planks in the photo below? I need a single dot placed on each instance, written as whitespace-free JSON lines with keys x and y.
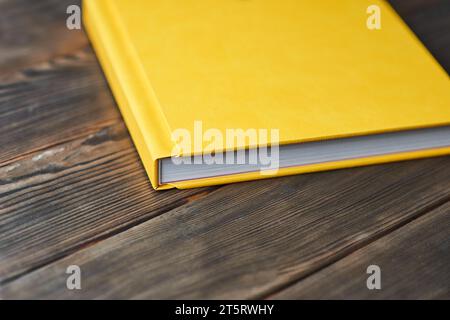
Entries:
{"x":103,"y":138}
{"x":381,"y":235}
{"x":247,"y":239}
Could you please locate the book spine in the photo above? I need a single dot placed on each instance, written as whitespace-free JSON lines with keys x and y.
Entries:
{"x":129,"y":83}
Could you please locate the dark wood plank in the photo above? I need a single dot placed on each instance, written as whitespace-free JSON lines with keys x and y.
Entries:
{"x":35,"y":31}
{"x":55,"y":201}
{"x":51,"y":87}
{"x":429,"y":19}
{"x":247,"y":240}
{"x":64,"y":191}
{"x":69,"y":175}
{"x":414,"y":262}
{"x":408,"y":7}
{"x":53,"y":103}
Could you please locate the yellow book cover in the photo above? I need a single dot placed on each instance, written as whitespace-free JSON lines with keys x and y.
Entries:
{"x":309,"y":85}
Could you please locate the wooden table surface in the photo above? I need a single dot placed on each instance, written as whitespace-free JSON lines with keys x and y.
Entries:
{"x":73,"y":192}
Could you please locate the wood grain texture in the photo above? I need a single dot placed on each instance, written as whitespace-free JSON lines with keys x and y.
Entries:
{"x":51,"y":87}
{"x":55,"y":201}
{"x":33,"y":31}
{"x":52,"y":103}
{"x":247,"y":240}
{"x":414,"y":262}
{"x":73,"y":191}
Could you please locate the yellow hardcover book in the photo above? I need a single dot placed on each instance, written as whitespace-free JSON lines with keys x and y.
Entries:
{"x":223,"y":91}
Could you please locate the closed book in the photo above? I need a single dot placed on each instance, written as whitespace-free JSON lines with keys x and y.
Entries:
{"x":223,"y":91}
